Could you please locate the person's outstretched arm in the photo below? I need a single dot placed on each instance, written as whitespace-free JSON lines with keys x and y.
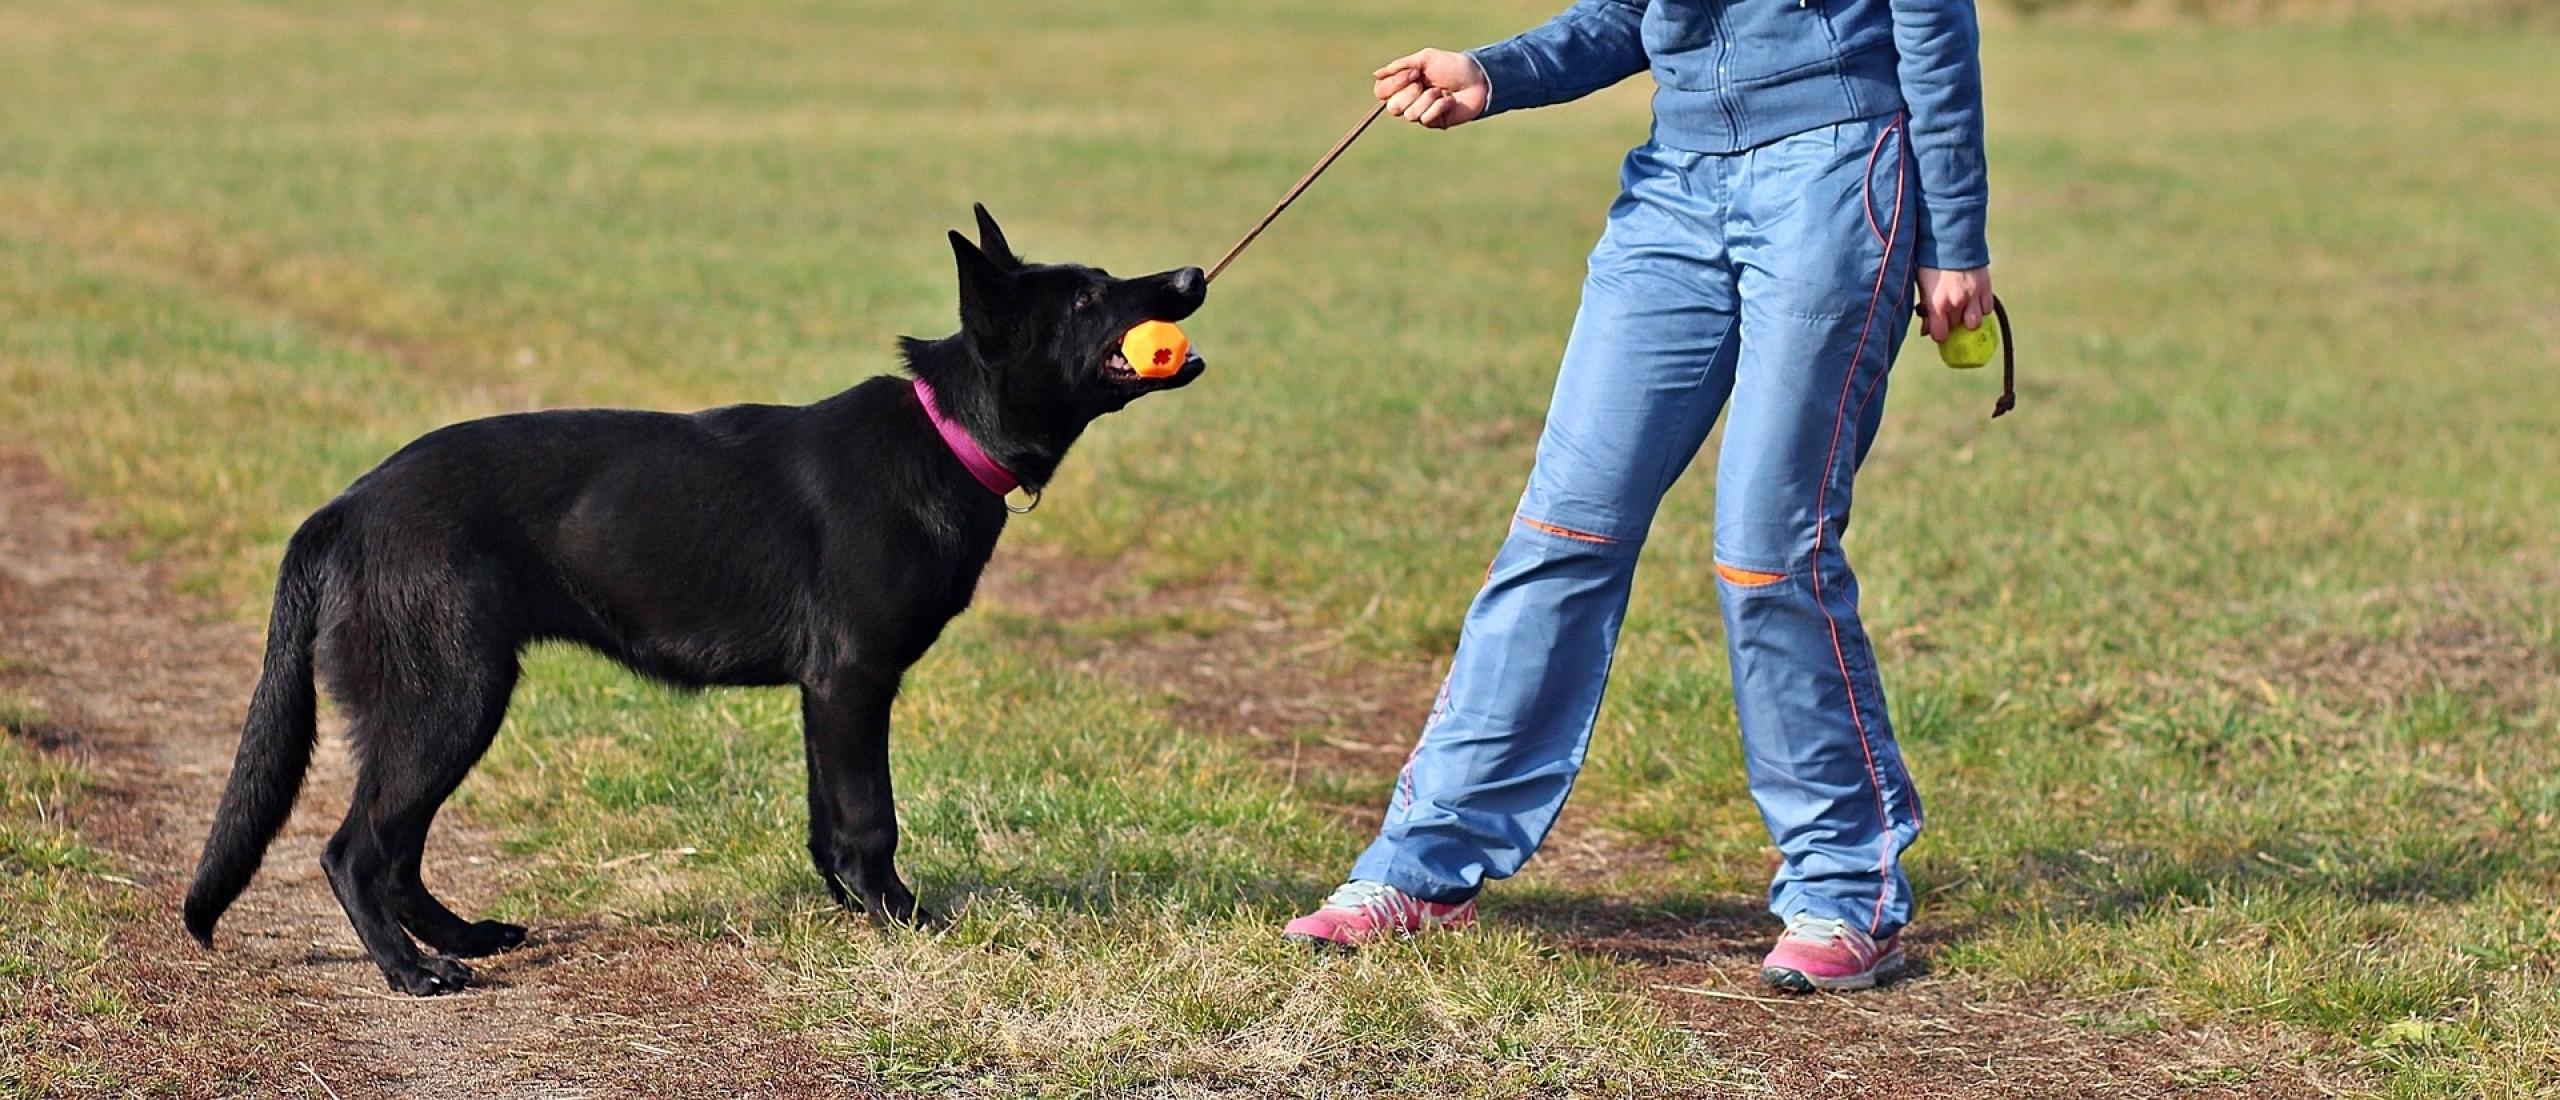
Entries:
{"x":1941,"y":71}
{"x":1592,"y":45}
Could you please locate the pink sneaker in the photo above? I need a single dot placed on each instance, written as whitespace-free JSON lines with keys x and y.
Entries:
{"x":1365,"y":912}
{"x":1821,"y":953}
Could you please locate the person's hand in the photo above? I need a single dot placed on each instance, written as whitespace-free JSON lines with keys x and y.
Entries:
{"x":1953,"y":299}
{"x":1436,"y":88}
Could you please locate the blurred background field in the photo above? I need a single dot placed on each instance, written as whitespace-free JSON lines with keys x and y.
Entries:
{"x":2226,"y":664}
{"x":2401,"y":14}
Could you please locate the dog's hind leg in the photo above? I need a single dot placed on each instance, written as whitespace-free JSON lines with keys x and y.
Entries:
{"x":413,"y":749}
{"x":853,"y":820}
{"x":425,"y":917}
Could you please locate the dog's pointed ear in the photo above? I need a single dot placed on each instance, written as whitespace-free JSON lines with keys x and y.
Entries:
{"x":991,"y":239}
{"x":986,"y":297}
{"x":981,"y":277}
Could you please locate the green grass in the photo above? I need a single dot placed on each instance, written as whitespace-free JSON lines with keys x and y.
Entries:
{"x":59,"y":906}
{"x":1114,"y":882}
{"x":2225,"y":664}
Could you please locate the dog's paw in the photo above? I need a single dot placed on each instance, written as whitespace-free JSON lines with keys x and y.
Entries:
{"x":487,"y":937}
{"x":896,"y":905}
{"x":837,"y":890}
{"x":434,"y":974}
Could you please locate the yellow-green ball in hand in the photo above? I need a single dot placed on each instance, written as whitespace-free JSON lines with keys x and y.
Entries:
{"x":1967,"y":348}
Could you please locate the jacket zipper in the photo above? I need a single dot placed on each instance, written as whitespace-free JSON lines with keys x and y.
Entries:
{"x":1724,"y":89}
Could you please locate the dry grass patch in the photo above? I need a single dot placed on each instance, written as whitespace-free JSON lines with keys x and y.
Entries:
{"x":1017,"y":999}
{"x":2483,"y":644}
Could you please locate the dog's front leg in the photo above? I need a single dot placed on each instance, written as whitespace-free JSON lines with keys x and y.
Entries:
{"x":853,"y":820}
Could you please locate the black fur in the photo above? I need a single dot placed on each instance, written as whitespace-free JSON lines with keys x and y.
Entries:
{"x":823,"y":546}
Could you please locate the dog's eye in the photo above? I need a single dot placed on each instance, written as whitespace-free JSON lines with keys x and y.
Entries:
{"x":1089,"y":297}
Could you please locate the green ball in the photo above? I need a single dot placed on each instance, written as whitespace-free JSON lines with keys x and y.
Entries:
{"x":1967,"y":348}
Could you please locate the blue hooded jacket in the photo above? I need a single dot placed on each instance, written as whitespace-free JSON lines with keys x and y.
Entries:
{"x":1732,"y":75}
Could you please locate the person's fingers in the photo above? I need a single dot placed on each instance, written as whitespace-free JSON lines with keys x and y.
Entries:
{"x":1430,"y":97}
{"x":1392,"y":81}
{"x":1441,"y":114}
{"x":1937,"y":321}
{"x":1397,"y":103}
{"x":1411,"y":62}
{"x":1413,"y":111}
{"x":1973,"y":310}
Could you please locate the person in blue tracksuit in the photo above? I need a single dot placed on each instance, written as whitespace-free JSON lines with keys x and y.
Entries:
{"x":1810,"y":160}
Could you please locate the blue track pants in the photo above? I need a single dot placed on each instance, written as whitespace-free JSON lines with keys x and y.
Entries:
{"x":1770,"y":286}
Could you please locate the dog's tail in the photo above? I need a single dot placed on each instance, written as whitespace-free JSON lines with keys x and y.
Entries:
{"x":275,"y":744}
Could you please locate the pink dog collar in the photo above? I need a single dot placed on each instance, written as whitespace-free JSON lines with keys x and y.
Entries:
{"x":987,"y":470}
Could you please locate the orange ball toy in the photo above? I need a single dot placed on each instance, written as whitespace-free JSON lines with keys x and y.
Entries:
{"x":1155,"y":349}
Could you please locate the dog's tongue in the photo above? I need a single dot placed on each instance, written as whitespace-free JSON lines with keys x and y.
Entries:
{"x":1155,"y":349}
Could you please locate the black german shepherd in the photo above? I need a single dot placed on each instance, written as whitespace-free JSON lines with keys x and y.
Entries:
{"x":824,"y":546}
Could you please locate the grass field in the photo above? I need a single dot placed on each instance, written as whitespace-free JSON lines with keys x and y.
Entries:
{"x":2226,"y":664}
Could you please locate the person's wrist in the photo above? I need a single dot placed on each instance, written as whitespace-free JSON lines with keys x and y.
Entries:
{"x":1505,"y":72}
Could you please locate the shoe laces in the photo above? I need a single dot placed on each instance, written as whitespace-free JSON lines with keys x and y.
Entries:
{"x":1806,"y":926}
{"x":1370,"y":895}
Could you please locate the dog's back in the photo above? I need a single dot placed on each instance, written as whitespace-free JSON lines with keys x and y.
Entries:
{"x":719,"y":547}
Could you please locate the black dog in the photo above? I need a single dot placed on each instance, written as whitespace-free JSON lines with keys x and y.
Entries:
{"x":823,"y":546}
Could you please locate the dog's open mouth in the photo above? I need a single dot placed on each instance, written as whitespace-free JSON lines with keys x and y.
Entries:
{"x":1116,"y":368}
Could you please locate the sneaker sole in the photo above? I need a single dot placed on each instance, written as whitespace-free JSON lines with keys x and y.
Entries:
{"x":1789,"y":980}
{"x":1318,"y":943}
{"x":1327,"y":943}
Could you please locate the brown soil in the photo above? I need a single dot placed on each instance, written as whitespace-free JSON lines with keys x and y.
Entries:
{"x":2460,"y":651}
{"x":1227,"y":660}
{"x":148,"y":690}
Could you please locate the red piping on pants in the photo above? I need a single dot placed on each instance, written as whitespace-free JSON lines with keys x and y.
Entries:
{"x":1822,"y":499}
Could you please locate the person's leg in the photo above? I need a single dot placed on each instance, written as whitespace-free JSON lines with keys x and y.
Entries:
{"x":1822,"y":239}
{"x":1643,"y":377}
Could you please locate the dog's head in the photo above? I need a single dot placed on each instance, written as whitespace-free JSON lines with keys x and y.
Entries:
{"x":1050,"y":333}
{"x":1037,"y":357}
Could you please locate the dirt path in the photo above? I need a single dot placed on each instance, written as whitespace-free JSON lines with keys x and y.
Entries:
{"x":148,"y":690}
